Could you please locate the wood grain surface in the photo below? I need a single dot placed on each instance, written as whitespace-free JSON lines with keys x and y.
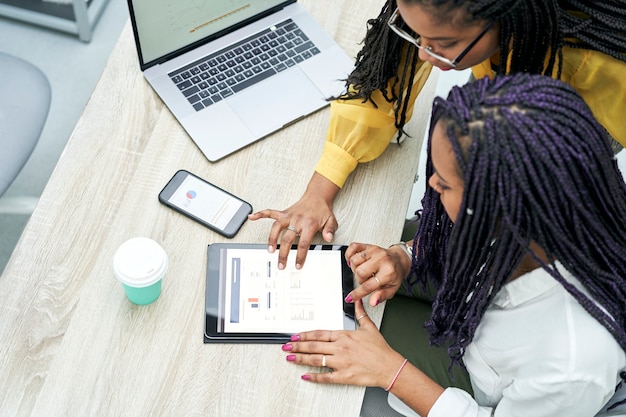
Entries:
{"x":71,"y":344}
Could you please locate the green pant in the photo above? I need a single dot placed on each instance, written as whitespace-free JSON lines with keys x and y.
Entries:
{"x":403,"y":328}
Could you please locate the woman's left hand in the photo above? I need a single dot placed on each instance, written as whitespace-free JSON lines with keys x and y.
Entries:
{"x":379,"y":271}
{"x":355,"y":357}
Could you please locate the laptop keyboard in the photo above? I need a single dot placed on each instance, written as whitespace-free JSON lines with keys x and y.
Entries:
{"x":243,"y":64}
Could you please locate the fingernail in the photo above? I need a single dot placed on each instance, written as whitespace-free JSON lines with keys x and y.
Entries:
{"x":291,"y":358}
{"x":306,"y":377}
{"x":270,"y":249}
{"x":349,"y":298}
{"x":287,"y":347}
{"x":281,"y":266}
{"x":298,"y":266}
{"x":377,"y":302}
{"x":295,"y":338}
{"x":348,"y":262}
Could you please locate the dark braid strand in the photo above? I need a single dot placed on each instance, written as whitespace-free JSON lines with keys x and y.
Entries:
{"x":536,"y":167}
{"x":378,"y":62}
{"x":600,"y":25}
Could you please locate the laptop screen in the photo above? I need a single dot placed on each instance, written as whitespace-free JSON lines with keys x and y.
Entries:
{"x":166,"y":26}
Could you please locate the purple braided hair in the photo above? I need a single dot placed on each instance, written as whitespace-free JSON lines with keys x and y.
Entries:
{"x":536,"y":166}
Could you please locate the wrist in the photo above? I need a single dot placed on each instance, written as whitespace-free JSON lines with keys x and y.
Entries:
{"x":405,"y":259}
{"x":321,"y":188}
{"x":396,"y":375}
{"x":406,"y":248}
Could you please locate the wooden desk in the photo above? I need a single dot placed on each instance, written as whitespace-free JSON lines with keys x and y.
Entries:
{"x":72,"y":344}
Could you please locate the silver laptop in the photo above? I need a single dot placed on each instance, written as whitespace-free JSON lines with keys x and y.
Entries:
{"x":234,"y":71}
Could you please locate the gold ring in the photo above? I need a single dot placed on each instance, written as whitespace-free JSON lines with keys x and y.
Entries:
{"x":377,"y":280}
{"x":323,"y":361}
{"x":359,"y":319}
{"x":293,"y":229}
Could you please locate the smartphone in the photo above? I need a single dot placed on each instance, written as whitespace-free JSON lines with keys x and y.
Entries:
{"x":205,"y":203}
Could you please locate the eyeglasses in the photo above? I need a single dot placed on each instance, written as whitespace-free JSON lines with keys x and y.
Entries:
{"x":416,"y":41}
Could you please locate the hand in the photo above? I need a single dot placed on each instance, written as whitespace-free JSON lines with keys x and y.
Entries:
{"x":379,"y":271}
{"x":312,"y":213}
{"x":357,"y":357}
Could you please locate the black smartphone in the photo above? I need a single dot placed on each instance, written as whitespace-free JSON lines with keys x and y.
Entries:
{"x":205,"y":203}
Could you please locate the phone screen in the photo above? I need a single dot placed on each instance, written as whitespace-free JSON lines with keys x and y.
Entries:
{"x":205,"y":202}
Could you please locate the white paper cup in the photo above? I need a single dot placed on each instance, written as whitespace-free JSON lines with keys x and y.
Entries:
{"x":140,"y":264}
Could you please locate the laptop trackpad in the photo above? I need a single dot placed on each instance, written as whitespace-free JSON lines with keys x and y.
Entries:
{"x":218,"y":131}
{"x":271,"y":104}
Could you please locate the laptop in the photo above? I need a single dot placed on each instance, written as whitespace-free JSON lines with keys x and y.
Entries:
{"x":234,"y":71}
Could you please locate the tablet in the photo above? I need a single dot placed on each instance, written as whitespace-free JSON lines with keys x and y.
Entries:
{"x":249,"y":300}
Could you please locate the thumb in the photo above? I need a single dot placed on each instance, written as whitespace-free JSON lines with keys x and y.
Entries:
{"x":330,"y":227}
{"x":360,"y":315}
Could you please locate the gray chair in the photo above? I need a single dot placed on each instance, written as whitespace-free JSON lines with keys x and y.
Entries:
{"x":24,"y":103}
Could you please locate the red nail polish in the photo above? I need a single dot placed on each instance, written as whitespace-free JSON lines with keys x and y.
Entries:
{"x":306,"y":377}
{"x":295,"y":338}
{"x":287,"y":347}
{"x":349,"y":298}
{"x":291,"y":358}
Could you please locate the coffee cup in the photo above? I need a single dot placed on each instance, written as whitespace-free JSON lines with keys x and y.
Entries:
{"x":140,"y":264}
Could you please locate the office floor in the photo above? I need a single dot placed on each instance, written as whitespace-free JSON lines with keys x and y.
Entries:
{"x":73,"y":68}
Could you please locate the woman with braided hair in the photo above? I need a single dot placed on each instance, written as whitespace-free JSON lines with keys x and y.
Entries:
{"x":582,"y":43}
{"x":524,"y":234}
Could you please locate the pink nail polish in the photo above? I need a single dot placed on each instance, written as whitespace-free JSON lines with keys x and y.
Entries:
{"x":295,"y":338}
{"x":349,"y":298}
{"x":306,"y":377}
{"x":287,"y":347}
{"x":291,"y":358}
{"x":348,"y":262}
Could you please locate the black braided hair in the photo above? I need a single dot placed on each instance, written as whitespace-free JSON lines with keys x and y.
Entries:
{"x":536,"y":167}
{"x":545,"y":27}
{"x":377,"y":63}
{"x":600,"y":25}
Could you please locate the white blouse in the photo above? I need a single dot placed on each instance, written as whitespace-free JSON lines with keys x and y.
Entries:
{"x":537,"y":353}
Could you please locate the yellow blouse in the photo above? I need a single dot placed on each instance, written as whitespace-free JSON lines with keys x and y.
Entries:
{"x":360,"y":132}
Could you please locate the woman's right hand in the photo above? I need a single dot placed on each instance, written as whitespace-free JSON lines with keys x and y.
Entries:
{"x":301,"y":221}
{"x":379,"y":271}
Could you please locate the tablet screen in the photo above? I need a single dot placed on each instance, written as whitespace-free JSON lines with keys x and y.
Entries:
{"x":249,"y":299}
